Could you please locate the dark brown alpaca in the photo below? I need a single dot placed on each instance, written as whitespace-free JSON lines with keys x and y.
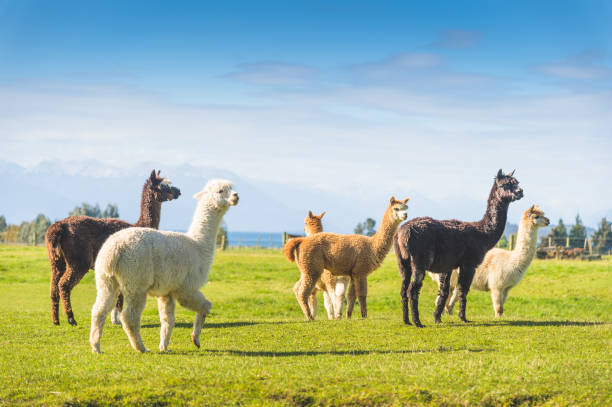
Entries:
{"x":73,"y":243}
{"x":426,"y":244}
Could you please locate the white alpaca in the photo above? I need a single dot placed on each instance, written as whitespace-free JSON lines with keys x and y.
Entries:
{"x":168,"y":265}
{"x":502,"y":269}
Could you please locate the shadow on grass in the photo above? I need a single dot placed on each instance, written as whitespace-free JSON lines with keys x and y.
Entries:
{"x":235,"y":324}
{"x":272,"y":354}
{"x":536,"y":323}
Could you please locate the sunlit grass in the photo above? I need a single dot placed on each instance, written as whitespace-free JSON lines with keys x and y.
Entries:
{"x":552,"y":347}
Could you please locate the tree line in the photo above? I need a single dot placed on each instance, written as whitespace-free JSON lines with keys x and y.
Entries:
{"x":33,"y":232}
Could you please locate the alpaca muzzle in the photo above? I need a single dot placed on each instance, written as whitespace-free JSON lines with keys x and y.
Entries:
{"x":175,"y":192}
{"x":235,"y":199}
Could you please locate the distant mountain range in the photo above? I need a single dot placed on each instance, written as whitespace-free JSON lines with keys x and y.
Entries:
{"x":55,"y":188}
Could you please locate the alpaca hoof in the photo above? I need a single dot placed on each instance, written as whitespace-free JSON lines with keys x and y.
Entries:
{"x":418,"y":324}
{"x":55,"y":322}
{"x":437,"y":321}
{"x":465,"y":320}
{"x":71,"y":321}
{"x":195,"y":340}
{"x":95,"y":349}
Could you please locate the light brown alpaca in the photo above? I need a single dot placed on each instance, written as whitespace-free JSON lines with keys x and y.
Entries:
{"x":355,"y":256}
{"x":333,"y":287}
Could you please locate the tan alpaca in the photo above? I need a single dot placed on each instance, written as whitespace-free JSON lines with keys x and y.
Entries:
{"x":333,"y":287}
{"x":502,"y":269}
{"x":355,"y":256}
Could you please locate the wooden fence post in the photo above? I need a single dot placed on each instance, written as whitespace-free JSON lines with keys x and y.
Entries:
{"x":567,"y":242}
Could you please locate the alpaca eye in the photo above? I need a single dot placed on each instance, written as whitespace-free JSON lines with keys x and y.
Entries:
{"x":220,"y":191}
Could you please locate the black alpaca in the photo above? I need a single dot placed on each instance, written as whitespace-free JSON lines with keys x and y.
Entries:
{"x":440,"y":246}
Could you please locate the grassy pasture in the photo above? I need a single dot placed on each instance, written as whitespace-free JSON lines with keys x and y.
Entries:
{"x":553,"y":346}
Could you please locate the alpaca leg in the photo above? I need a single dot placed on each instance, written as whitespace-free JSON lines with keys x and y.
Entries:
{"x":466,"y":274}
{"x":328,"y":302}
{"x":306,"y":287}
{"x":504,"y":298}
{"x":496,"y":299}
{"x":130,"y":318}
{"x":313,"y":302}
{"x":452,"y":300}
{"x":442,"y":299}
{"x":195,"y":301}
{"x":166,"y":306}
{"x":350,"y":301}
{"x":117,"y":310}
{"x":107,"y":290}
{"x":406,"y":272}
{"x":415,"y":288}
{"x":71,"y":277}
{"x":338,"y":297}
{"x":361,"y":287}
{"x":58,"y":267}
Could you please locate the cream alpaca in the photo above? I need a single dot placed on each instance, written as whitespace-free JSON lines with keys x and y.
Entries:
{"x":168,"y":265}
{"x":333,"y":287}
{"x":501,"y":269}
{"x":344,"y":255}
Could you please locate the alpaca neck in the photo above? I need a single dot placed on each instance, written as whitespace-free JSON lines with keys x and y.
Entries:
{"x":150,"y":209}
{"x":205,"y":223}
{"x":311,"y":230}
{"x":526,"y":242}
{"x":383,"y":238}
{"x":494,"y":219}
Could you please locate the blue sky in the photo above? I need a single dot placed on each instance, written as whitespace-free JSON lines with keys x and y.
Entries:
{"x":363,"y":99}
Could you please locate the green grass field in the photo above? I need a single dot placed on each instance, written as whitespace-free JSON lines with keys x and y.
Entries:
{"x":553,"y":346}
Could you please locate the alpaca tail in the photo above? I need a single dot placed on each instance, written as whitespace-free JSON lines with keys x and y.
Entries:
{"x":292,"y":247}
{"x":53,"y":239}
{"x":107,"y":259}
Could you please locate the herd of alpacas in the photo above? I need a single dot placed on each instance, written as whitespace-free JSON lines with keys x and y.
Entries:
{"x":132,"y":261}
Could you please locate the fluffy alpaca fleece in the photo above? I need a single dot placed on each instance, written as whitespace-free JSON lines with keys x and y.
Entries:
{"x":502,"y":269}
{"x":355,"y":256}
{"x":441,"y":246}
{"x":333,"y":287}
{"x":73,"y":243}
{"x":167,"y":265}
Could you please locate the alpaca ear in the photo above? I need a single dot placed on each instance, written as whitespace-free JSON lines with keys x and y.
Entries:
{"x":532,"y":209}
{"x":152,"y":177}
{"x":392,"y":200}
{"x":405,"y":200}
{"x":310,"y":214}
{"x":321,"y":215}
{"x":158,"y":171}
{"x":512,"y":173}
{"x":500,"y":174}
{"x":199,"y":195}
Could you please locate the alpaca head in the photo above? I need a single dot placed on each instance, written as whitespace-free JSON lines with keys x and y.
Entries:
{"x":313,"y":224}
{"x":161,"y":188}
{"x":535,"y":217}
{"x":507,"y":187}
{"x":398,"y":209}
{"x":218,"y":193}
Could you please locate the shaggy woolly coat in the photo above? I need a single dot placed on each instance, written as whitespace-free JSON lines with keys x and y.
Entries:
{"x":501,"y":270}
{"x":440,"y":246}
{"x":169,"y":265}
{"x":344,"y":255}
{"x":73,"y":243}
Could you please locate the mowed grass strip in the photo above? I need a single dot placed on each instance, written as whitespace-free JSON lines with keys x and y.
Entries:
{"x":552,"y":347}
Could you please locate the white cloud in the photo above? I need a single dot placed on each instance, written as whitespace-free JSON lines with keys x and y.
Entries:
{"x":456,"y":39}
{"x":274,"y":74}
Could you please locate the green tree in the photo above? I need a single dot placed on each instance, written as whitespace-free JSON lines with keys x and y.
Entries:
{"x":503,"y":242}
{"x":24,"y":232}
{"x":577,"y":233}
{"x":38,"y":228}
{"x":366,"y":228}
{"x":3,"y":224}
{"x":111,"y":211}
{"x":602,"y":238}
{"x":87,"y":210}
{"x":558,"y":234}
